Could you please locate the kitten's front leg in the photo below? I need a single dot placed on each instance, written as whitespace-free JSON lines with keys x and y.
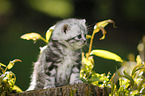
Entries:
{"x":75,"y":76}
{"x":49,"y":82}
{"x":50,"y":75}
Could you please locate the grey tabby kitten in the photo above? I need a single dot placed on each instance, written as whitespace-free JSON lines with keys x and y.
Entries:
{"x":60,"y":62}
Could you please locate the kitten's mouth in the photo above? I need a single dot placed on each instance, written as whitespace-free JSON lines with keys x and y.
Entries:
{"x":79,"y":45}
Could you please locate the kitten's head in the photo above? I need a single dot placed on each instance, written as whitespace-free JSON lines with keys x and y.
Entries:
{"x":71,"y":32}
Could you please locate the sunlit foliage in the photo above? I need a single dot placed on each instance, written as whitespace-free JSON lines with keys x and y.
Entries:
{"x":8,"y":79}
{"x":131,"y":79}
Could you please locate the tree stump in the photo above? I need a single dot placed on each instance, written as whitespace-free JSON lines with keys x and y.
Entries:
{"x":84,"y":89}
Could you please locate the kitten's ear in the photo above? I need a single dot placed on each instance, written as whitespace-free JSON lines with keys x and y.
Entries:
{"x":84,"y":21}
{"x":65,"y":28}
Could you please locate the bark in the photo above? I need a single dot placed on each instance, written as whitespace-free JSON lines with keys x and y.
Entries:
{"x":69,"y":90}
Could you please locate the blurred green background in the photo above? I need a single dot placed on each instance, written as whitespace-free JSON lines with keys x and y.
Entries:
{"x":18,"y":17}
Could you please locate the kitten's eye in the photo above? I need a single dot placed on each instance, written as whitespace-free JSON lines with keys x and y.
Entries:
{"x":65,"y":28}
{"x":79,"y":36}
{"x":85,"y":35}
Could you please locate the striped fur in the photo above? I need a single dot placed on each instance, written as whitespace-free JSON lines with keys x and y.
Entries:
{"x":60,"y":62}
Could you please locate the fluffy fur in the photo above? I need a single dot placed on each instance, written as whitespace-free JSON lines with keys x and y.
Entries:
{"x":60,"y":62}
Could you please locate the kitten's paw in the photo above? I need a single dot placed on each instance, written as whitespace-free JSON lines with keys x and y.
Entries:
{"x":48,"y":87}
{"x":76,"y":82}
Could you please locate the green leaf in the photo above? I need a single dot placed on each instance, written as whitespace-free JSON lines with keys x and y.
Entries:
{"x":98,"y":77}
{"x":100,"y":26}
{"x":11,"y":63}
{"x":18,"y":90}
{"x":88,"y":36}
{"x":49,"y":32}
{"x":134,"y":93}
{"x":106,"y":54}
{"x":3,"y":65}
{"x":10,"y":76}
{"x":127,"y":76}
{"x":1,"y":78}
{"x":31,"y":36}
{"x":140,"y":85}
{"x":103,"y":32}
{"x":95,"y":78}
{"x":105,"y":23}
{"x":87,"y":62}
{"x":118,"y":73}
{"x":136,"y":68}
{"x":124,"y":84}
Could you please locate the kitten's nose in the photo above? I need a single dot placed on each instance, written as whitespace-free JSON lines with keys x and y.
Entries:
{"x":84,"y":39}
{"x":85,"y":42}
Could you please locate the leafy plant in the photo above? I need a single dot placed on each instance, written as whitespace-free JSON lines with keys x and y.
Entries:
{"x":131,"y":82}
{"x":8,"y":79}
{"x":87,"y":73}
{"x":36,"y":36}
{"x":131,"y":76}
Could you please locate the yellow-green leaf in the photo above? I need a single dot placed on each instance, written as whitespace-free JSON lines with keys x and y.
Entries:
{"x":49,"y":32}
{"x":98,"y":77}
{"x":31,"y":36}
{"x":16,"y":60}
{"x":11,"y":63}
{"x":127,"y":76}
{"x":136,"y":68}
{"x":105,"y":23}
{"x":119,"y":74}
{"x":2,"y":65}
{"x":91,"y":59}
{"x":103,"y":32}
{"x":87,"y":62}
{"x":88,"y":36}
{"x":140,"y":83}
{"x":124,"y":83}
{"x":134,"y":93}
{"x":106,"y":54}
{"x":17,"y":89}
{"x":96,"y":29}
{"x":100,"y":26}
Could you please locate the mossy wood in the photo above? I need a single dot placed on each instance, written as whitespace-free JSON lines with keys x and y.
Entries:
{"x":69,"y":90}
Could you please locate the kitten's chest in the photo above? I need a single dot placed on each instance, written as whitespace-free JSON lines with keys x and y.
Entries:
{"x":69,"y":58}
{"x":65,"y":68}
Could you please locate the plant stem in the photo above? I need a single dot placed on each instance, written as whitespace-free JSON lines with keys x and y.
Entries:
{"x":5,"y":70}
{"x":91,"y":42}
{"x":44,"y":39}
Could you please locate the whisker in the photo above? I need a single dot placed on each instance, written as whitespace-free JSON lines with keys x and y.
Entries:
{"x":86,"y":47}
{"x":91,"y":26}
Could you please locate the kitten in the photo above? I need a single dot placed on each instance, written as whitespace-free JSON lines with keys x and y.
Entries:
{"x":60,"y":62}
